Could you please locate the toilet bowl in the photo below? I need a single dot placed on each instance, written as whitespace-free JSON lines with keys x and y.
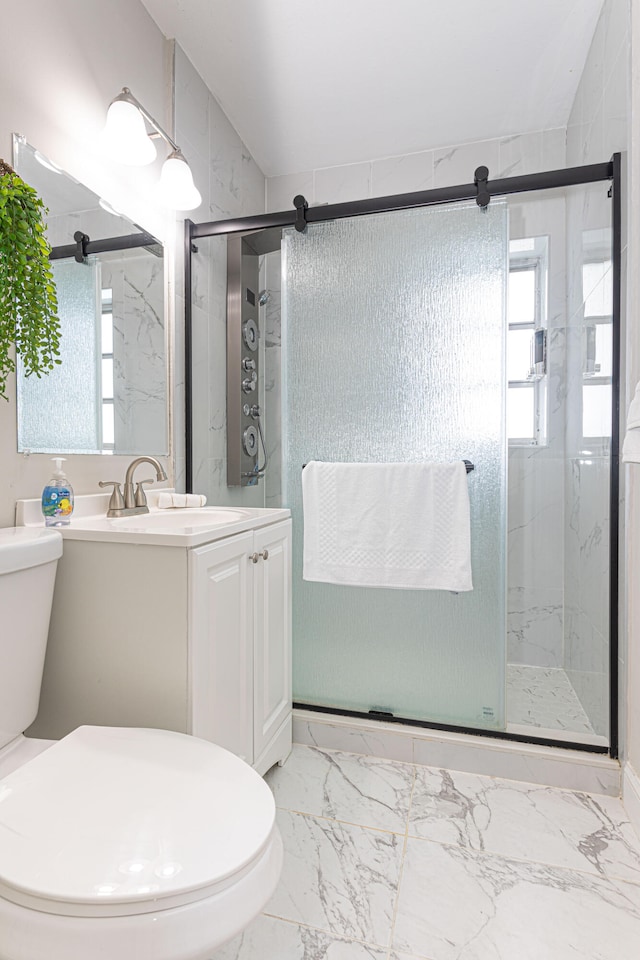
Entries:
{"x":118,"y":843}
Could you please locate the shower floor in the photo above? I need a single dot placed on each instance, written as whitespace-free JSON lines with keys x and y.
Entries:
{"x":543,"y":697}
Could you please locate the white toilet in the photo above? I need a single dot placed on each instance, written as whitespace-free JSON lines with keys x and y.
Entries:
{"x":115,"y":843}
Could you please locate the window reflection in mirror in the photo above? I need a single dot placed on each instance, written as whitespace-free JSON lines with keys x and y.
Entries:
{"x":109,"y":395}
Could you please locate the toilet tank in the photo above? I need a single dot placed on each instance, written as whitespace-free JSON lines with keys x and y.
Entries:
{"x":28,"y":561}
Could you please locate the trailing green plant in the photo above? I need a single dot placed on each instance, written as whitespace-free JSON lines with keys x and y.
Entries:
{"x":28,"y":304}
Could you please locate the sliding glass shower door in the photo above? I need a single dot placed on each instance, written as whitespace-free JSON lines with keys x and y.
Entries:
{"x":394,"y":343}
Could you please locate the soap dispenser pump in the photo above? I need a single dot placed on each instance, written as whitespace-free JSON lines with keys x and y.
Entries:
{"x":57,"y":498}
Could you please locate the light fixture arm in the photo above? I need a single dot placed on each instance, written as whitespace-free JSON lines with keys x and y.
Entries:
{"x":128,"y":97}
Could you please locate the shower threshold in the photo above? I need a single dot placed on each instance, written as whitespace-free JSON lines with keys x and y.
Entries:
{"x":543,"y":700}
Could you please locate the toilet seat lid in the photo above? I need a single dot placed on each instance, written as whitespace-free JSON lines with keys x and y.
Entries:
{"x":110,"y":818}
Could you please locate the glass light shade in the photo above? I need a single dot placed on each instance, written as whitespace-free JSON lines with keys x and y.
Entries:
{"x":177,"y":189}
{"x":125,"y":135}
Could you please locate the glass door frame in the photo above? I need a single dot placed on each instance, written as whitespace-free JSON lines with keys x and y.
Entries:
{"x":481,"y":190}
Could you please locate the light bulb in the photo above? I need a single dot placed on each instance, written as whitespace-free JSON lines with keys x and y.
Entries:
{"x":177,"y":189}
{"x":125,"y":136}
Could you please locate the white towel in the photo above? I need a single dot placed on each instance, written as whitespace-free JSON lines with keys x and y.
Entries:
{"x":631,"y":445}
{"x":181,"y":500}
{"x":399,"y":525}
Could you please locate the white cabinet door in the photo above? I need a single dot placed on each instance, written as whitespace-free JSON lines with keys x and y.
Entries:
{"x":272,"y":628}
{"x":221,"y":643}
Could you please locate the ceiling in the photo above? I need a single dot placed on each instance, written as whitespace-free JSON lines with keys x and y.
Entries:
{"x":313,"y":83}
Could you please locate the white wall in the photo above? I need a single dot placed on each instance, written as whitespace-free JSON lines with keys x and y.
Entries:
{"x":57,"y":78}
{"x":60,"y":66}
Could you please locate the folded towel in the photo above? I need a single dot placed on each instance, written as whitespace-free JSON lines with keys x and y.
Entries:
{"x":631,"y":445}
{"x":168,"y":500}
{"x":399,"y":525}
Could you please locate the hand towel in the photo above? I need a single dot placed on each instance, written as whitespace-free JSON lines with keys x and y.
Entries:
{"x":181,"y":500}
{"x":400,"y":525}
{"x":631,"y":445}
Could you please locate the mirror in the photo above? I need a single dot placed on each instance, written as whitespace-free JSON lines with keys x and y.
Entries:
{"x":109,"y":395}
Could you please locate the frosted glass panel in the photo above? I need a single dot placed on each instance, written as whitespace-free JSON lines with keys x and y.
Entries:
{"x":394,"y":350}
{"x":60,"y":411}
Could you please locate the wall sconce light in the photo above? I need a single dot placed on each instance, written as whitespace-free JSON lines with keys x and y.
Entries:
{"x":126,"y":139}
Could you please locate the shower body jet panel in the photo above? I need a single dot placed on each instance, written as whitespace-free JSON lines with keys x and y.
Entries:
{"x":244,"y":431}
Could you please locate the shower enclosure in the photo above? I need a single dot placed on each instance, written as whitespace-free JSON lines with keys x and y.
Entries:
{"x":478,"y":322}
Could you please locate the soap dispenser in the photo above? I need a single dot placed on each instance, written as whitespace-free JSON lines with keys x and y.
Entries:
{"x":57,"y":498}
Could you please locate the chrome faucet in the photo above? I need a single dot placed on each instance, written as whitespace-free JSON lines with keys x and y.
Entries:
{"x":133,"y":502}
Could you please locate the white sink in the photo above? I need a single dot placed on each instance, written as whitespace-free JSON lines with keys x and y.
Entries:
{"x":177,"y":527}
{"x":175,"y":520}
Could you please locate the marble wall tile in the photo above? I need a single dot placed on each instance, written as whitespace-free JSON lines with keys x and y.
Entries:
{"x":526,"y":822}
{"x":178,"y":374}
{"x":616,"y":18}
{"x":455,"y":905}
{"x":271,"y":939}
{"x":282,"y":190}
{"x":554,"y":148}
{"x":139,"y":353}
{"x":339,"y":878}
{"x":191,"y":97}
{"x":535,"y":626}
{"x":591,"y":86}
{"x":457,"y":164}
{"x":273,"y":379}
{"x":535,"y":522}
{"x":402,"y":174}
{"x":199,"y":164}
{"x":592,"y":689}
{"x":340,"y":184}
{"x":344,"y":786}
{"x":520,"y":154}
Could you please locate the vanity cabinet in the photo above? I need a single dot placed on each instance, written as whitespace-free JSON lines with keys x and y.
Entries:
{"x":195,"y":639}
{"x":240,"y":641}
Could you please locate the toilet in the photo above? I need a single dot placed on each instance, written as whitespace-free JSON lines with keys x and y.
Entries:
{"x":115,"y":843}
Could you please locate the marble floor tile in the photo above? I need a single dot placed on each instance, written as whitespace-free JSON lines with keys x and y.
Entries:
{"x":344,"y":786}
{"x":457,"y":905}
{"x":525,"y":821}
{"x":271,"y":939}
{"x":339,"y":878}
{"x":544,"y":697}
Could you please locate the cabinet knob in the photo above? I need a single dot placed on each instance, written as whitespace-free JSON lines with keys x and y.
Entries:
{"x":254,"y":557}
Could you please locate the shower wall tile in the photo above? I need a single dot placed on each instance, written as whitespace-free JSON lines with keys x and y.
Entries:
{"x":457,"y":164}
{"x":236,"y":182}
{"x":587,"y":542}
{"x":535,"y":512}
{"x":535,"y":622}
{"x":282,"y":190}
{"x":273,"y":381}
{"x":554,"y":148}
{"x":232,"y":185}
{"x":340,"y":184}
{"x":402,"y":174}
{"x":191,"y":105}
{"x":521,"y":154}
{"x":592,"y":689}
{"x":178,"y":423}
